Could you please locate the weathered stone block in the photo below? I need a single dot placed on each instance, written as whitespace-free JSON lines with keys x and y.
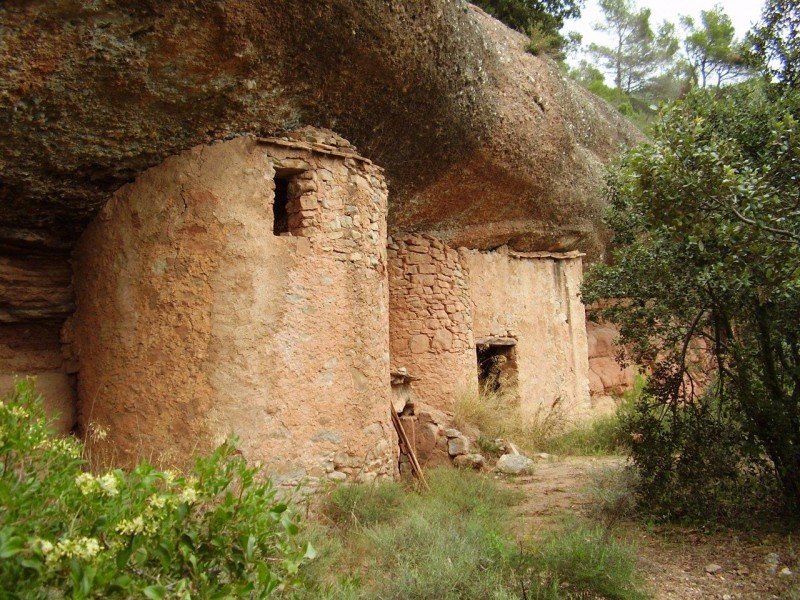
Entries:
{"x":456,"y":446}
{"x":419,"y":344}
{"x":471,"y":461}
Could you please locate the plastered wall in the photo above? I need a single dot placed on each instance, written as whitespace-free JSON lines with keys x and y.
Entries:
{"x":195,"y":321}
{"x":534,"y":298}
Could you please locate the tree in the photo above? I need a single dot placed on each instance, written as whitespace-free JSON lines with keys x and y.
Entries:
{"x":776,"y":48}
{"x":638,"y":52}
{"x":712,"y":50}
{"x":544,"y":17}
{"x":706,"y":258}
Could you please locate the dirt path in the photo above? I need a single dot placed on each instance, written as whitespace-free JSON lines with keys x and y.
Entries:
{"x":675,"y":560}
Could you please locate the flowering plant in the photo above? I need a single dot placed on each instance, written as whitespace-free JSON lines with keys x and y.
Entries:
{"x":217,"y":532}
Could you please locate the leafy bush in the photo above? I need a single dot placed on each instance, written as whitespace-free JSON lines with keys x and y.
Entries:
{"x":698,"y":463}
{"x":705,"y":252}
{"x":217,"y":532}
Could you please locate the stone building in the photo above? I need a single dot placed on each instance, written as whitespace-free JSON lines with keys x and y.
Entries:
{"x":241,"y":288}
{"x":249,"y":287}
{"x":508,"y":320}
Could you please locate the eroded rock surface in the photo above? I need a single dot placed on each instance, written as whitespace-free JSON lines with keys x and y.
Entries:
{"x":483,"y":143}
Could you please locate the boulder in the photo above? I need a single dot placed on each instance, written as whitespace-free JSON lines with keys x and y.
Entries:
{"x":515,"y":464}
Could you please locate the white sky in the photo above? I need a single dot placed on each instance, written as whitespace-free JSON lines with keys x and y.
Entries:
{"x":743,"y":14}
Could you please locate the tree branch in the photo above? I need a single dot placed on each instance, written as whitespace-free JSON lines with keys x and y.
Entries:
{"x":782,"y":232}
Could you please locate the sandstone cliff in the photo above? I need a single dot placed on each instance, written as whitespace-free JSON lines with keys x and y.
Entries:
{"x":482,"y":143}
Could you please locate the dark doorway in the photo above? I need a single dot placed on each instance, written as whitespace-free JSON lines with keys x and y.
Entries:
{"x":497,"y":365}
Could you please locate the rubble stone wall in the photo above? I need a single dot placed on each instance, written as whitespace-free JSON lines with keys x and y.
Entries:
{"x":534,"y":298}
{"x":195,"y":321}
{"x":430,"y":319}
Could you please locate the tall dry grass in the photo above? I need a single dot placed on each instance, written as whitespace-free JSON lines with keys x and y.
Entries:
{"x":497,"y":414}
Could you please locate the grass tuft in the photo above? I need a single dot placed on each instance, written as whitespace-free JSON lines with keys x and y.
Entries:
{"x":456,"y":542}
{"x":497,"y":415}
{"x":582,"y":560}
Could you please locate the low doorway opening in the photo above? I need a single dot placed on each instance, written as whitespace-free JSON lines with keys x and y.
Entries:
{"x":498,"y":370}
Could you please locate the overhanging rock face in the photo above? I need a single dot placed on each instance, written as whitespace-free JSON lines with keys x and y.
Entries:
{"x":482,"y":143}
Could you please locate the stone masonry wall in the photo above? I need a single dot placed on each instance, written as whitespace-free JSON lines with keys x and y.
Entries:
{"x":534,"y":298}
{"x":195,"y":321}
{"x":431,"y":319}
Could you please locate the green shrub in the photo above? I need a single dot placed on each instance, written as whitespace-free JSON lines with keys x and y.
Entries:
{"x":697,"y":463}
{"x":611,"y":493}
{"x":217,"y":532}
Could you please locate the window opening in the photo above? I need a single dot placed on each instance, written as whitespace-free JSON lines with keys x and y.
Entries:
{"x":280,"y":206}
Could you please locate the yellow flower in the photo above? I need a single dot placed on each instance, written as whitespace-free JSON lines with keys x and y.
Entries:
{"x":188,"y":495}
{"x":108,"y":483}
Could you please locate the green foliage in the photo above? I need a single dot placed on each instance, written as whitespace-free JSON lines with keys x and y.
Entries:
{"x":216,"y":533}
{"x":455,"y":542}
{"x":541,"y":20}
{"x":776,"y":47}
{"x":706,"y":247}
{"x":698,"y":464}
{"x":711,"y":49}
{"x":583,"y":561}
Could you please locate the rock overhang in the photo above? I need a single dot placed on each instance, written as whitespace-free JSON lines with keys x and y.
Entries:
{"x":482,"y":143}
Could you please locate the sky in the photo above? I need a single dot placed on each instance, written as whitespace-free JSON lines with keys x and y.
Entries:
{"x":743,"y":14}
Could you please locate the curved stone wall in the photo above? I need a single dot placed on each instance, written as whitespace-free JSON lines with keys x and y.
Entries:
{"x":195,"y":320}
{"x":431,"y":319}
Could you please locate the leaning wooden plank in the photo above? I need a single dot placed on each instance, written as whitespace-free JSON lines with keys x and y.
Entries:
{"x":415,"y":466}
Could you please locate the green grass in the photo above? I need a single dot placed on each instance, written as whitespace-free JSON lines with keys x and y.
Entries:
{"x":581,"y":560}
{"x":457,"y":542}
{"x":497,"y":415}
{"x":600,"y":436}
